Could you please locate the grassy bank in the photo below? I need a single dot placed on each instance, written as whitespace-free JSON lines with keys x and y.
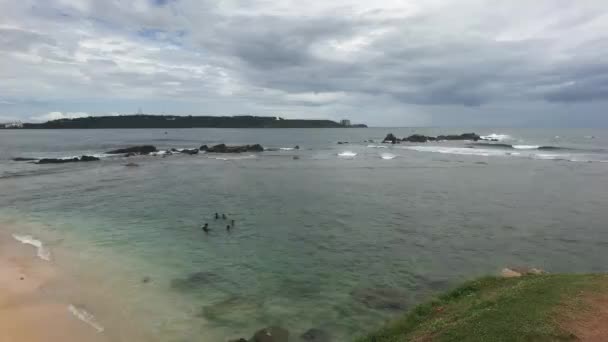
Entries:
{"x":559,"y":307}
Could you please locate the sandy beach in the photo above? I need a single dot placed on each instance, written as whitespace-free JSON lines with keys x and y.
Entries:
{"x":28,"y":310}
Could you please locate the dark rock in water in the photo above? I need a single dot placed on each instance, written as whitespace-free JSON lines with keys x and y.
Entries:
{"x":222,"y":148}
{"x":144,"y":149}
{"x":342,"y":142}
{"x":296,"y":157}
{"x":189,"y":151}
{"x":194,"y":281}
{"x":297,"y":147}
{"x":68,"y":160}
{"x":24,"y":159}
{"x":316,"y":335}
{"x":204,"y":148}
{"x":88,"y":158}
{"x":417,"y":138}
{"x":271,"y":334}
{"x":464,"y":136}
{"x":173,"y":150}
{"x":390,"y":138}
{"x":382,"y":298}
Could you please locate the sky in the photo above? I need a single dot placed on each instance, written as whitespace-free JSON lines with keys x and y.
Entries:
{"x":383,"y":62}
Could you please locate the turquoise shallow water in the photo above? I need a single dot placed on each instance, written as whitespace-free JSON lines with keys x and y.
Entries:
{"x":341,"y":243}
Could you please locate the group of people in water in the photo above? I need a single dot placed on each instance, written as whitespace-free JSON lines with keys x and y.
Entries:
{"x":206,"y":229}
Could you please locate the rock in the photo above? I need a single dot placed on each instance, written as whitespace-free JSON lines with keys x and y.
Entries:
{"x":316,"y":335}
{"x":88,"y":158}
{"x":222,"y":148}
{"x":297,"y":147}
{"x":390,"y":138}
{"x":381,"y":298}
{"x":342,"y":142}
{"x":66,"y":160}
{"x":509,"y":273}
{"x":417,"y":138}
{"x":204,"y":148}
{"x":24,"y":159}
{"x":189,"y":151}
{"x":296,"y":157}
{"x":194,"y":281}
{"x":271,"y":334}
{"x":143,"y":149}
{"x":464,"y":136}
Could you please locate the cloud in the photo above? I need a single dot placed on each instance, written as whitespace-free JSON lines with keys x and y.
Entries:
{"x":59,"y":115}
{"x":383,"y":62}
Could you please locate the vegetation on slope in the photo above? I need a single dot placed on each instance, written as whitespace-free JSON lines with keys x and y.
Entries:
{"x":528,"y":308}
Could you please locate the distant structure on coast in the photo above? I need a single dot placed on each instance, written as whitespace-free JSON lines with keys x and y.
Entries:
{"x":15,"y":124}
{"x":345,"y":123}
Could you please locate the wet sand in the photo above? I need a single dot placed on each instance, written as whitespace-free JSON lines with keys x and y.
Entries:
{"x":28,"y":310}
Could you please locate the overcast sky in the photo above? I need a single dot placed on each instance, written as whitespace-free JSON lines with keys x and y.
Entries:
{"x":382,"y":62}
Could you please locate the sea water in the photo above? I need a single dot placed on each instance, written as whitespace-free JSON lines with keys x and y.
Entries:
{"x":318,"y":239}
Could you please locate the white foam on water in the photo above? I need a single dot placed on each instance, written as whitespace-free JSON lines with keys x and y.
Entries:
{"x":41,"y":251}
{"x":286,"y":148}
{"x":347,"y":154}
{"x":495,"y":136}
{"x":458,"y":150}
{"x":526,"y":147}
{"x":86,"y":317}
{"x":388,"y":156}
{"x":376,"y":146}
{"x":226,"y":158}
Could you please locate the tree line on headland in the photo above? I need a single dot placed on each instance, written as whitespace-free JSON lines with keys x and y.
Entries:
{"x":174,"y":121}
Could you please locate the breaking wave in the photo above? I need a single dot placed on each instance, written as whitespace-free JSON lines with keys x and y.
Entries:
{"x":86,"y":317}
{"x":347,"y":154}
{"x":41,"y":251}
{"x":496,"y":137}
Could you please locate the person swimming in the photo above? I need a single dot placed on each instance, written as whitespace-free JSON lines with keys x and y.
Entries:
{"x":206,"y":228}
{"x":223,"y":216}
{"x":228,"y":228}
{"x":232,"y":223}
{"x":217,"y":216}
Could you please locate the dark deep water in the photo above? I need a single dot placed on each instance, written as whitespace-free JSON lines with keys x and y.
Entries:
{"x":317,"y":240}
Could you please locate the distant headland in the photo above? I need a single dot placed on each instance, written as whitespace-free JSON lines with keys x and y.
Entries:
{"x":175,"y":121}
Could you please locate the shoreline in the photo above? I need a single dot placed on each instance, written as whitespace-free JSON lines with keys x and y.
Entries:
{"x":29,"y":311}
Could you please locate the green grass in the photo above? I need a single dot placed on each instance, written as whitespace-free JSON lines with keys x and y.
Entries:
{"x":496,"y":309}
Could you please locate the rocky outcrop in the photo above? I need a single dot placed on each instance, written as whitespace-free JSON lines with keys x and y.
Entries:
{"x":223,"y":148}
{"x":390,"y":138}
{"x":419,"y":138}
{"x":143,"y":149}
{"x":316,"y":335}
{"x":24,"y":159}
{"x":464,"y":136}
{"x":66,"y":160}
{"x":189,"y":151}
{"x":514,"y":272}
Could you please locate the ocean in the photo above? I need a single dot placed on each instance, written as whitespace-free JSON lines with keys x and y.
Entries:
{"x":336,"y":237}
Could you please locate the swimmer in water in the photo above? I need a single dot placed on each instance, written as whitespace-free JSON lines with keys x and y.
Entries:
{"x":232,"y":223}
{"x":206,"y":228}
{"x":223,"y":216}
{"x":217,"y":216}
{"x":228,"y":228}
